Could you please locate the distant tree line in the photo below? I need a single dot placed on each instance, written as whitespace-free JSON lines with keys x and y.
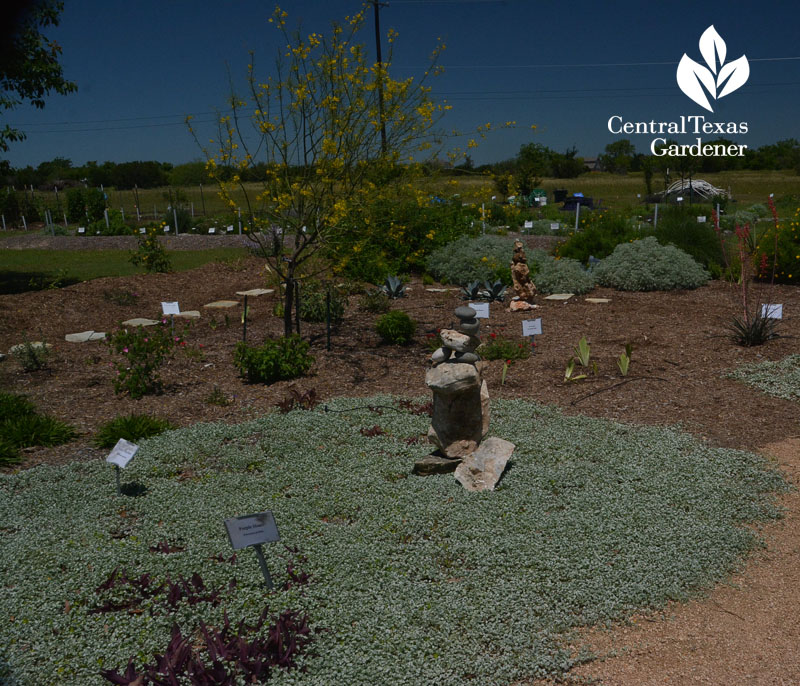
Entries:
{"x":521,"y":173}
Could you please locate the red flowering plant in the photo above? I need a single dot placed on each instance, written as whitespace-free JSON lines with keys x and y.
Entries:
{"x":750,"y":326}
{"x":143,"y":350}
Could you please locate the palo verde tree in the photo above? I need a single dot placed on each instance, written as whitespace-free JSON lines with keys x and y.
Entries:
{"x":29,"y":67}
{"x":330,"y":129}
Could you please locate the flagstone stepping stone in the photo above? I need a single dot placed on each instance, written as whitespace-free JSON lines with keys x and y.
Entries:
{"x":85,"y":336}
{"x":255,"y":292}
{"x":560,"y":296}
{"x":189,"y":314}
{"x":598,"y":300}
{"x":20,"y":347}
{"x":140,"y":321}
{"x":440,"y":290}
{"x":222,"y":304}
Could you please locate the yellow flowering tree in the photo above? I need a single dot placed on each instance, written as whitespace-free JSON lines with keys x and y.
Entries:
{"x":314,"y":125}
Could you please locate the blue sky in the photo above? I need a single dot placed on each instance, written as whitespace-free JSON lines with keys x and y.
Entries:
{"x":142,"y":66}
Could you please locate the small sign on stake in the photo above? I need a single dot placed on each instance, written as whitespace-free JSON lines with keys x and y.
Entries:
{"x":142,"y":229}
{"x":772,"y":311}
{"x":532,"y":327}
{"x":121,"y":454}
{"x":253,"y":530}
{"x":529,"y":224}
{"x":554,"y":226}
{"x":170,"y":308}
{"x":481,"y":310}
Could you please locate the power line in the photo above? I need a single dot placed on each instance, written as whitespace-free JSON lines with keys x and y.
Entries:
{"x":582,"y":65}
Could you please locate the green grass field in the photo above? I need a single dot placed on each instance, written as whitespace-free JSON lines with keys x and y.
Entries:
{"x":42,"y":267}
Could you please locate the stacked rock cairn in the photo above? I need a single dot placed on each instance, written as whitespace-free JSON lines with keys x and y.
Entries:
{"x":460,"y":394}
{"x":460,"y":419}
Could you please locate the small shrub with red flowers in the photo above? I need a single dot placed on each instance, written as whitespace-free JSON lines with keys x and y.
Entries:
{"x":143,"y":351}
{"x":496,"y":347}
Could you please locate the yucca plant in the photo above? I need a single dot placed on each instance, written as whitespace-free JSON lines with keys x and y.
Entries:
{"x":753,"y":329}
{"x":394,"y":288}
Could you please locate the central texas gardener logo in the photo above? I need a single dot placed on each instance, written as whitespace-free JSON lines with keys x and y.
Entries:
{"x":719,"y":79}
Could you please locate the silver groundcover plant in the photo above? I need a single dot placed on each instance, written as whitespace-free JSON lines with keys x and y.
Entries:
{"x":719,"y":79}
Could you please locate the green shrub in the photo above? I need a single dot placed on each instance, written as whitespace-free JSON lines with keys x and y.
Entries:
{"x":486,"y":258}
{"x":393,"y":235}
{"x":31,"y":355}
{"x":313,"y":303}
{"x":779,"y":245}
{"x":85,"y":204}
{"x":498,"y":348}
{"x":396,"y":327}
{"x":12,"y":406}
{"x":21,"y":427}
{"x":185,"y":221}
{"x":559,"y":276}
{"x":131,"y":427}
{"x":143,"y":351}
{"x":35,"y":429}
{"x":116,"y":225}
{"x":646,"y":265}
{"x":375,"y":301}
{"x":678,"y":226}
{"x":151,"y":254}
{"x":277,"y":360}
{"x":600,"y":233}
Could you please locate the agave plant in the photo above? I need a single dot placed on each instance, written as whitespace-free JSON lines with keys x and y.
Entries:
{"x":394,"y":288}
{"x":472,"y":290}
{"x":494,"y":291}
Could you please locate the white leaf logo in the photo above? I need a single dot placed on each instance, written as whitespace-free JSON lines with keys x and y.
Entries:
{"x":718,"y":79}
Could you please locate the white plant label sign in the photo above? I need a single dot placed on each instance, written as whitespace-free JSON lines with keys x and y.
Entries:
{"x":212,"y":230}
{"x":481,"y":310}
{"x":81,"y":229}
{"x":253,"y":529}
{"x":718,"y":79}
{"x":142,"y":229}
{"x":170,"y":308}
{"x":772,"y":311}
{"x":701,"y":220}
{"x":122,"y":453}
{"x":230,"y":228}
{"x":532,"y":327}
{"x":528,"y":224}
{"x":554,"y":226}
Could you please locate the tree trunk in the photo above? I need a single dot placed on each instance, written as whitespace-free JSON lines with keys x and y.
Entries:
{"x":288,"y":302}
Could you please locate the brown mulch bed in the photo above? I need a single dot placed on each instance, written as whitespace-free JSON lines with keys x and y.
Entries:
{"x":680,"y":355}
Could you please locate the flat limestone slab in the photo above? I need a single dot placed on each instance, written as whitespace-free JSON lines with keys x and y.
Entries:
{"x":85,"y":336}
{"x":598,"y":300}
{"x":435,"y":464}
{"x":440,"y":290}
{"x":140,"y":321}
{"x":560,"y":296}
{"x":255,"y":292}
{"x":222,"y":304}
{"x":481,"y":470}
{"x":189,"y":314}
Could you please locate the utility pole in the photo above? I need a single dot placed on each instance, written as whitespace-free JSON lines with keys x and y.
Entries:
{"x":376,"y":4}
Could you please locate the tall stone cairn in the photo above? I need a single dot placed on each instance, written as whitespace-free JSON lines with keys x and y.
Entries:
{"x":460,"y":395}
{"x":521,"y":275}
